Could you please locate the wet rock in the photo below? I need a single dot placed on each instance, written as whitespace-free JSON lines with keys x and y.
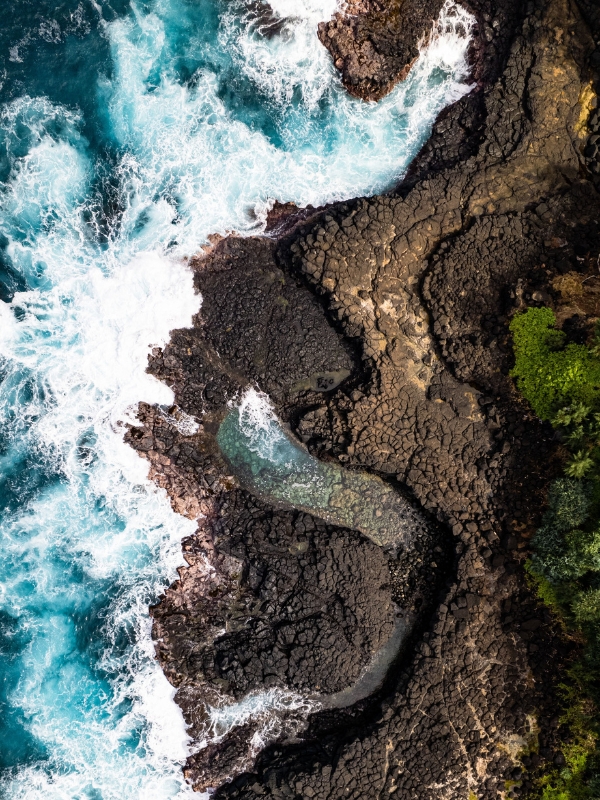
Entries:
{"x":426,"y":281}
{"x":374,"y":44}
{"x":270,"y":599}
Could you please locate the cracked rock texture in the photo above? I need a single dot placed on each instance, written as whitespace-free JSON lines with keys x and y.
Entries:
{"x":374,"y":43}
{"x":270,"y":597}
{"x":411,"y":294}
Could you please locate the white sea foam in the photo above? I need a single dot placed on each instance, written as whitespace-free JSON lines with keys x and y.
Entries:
{"x":272,"y":711}
{"x":291,"y":60}
{"x":445,"y":46}
{"x":313,"y":11}
{"x":83,"y":337}
{"x":187,"y":146}
{"x":182,"y":422}
{"x":259,"y":424}
{"x":95,"y":542}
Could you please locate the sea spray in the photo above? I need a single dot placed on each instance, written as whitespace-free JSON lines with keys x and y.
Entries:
{"x":273,"y":711}
{"x":190,"y":142}
{"x":280,"y":52}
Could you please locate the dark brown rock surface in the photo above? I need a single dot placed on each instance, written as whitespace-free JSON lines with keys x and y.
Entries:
{"x":374,"y":43}
{"x":411,"y":293}
{"x":270,"y":598}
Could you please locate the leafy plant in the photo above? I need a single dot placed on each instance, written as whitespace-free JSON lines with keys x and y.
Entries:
{"x":580,"y":465}
{"x":584,"y":550}
{"x":550,"y":373}
{"x":562,"y":383}
{"x":569,"y":503}
{"x":586,"y":606}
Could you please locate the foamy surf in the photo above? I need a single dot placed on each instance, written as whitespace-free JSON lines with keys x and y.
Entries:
{"x":271,"y":710}
{"x":99,"y":534}
{"x":187,"y":143}
{"x":87,"y":542}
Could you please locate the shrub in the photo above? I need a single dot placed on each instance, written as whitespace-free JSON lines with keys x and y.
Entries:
{"x":586,"y":606}
{"x":569,"y":503}
{"x":562,"y":383}
{"x":580,"y":465}
{"x":561,"y":551}
{"x":549,"y":372}
{"x":583,"y":548}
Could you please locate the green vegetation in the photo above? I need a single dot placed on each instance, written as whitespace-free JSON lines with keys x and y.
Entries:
{"x":562,"y":550}
{"x":550,"y":373}
{"x":561,"y":381}
{"x":578,"y":778}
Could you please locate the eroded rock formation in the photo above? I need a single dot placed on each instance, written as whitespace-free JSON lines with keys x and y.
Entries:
{"x":411,"y":294}
{"x":374,"y":43}
{"x":270,"y":597}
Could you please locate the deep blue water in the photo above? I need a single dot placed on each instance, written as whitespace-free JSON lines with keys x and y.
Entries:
{"x":128,"y":133}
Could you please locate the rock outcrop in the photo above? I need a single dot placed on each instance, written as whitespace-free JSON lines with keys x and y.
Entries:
{"x":411,"y":294}
{"x":374,"y":43}
{"x":271,"y":597}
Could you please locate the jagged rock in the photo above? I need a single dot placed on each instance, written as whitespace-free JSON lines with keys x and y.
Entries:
{"x":414,"y":291}
{"x":374,"y":43}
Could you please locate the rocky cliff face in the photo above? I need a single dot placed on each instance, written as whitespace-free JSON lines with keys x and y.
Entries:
{"x":410,"y":293}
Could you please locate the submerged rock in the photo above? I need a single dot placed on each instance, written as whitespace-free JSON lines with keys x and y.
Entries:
{"x":270,"y":464}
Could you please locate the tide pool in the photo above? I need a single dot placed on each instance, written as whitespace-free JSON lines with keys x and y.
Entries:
{"x":129,"y":132}
{"x":269,"y":463}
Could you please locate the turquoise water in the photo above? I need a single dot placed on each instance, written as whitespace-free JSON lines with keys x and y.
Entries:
{"x":269,"y":463}
{"x":128,"y":133}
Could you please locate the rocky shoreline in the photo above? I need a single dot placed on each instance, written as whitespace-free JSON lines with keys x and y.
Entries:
{"x":409,"y":295}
